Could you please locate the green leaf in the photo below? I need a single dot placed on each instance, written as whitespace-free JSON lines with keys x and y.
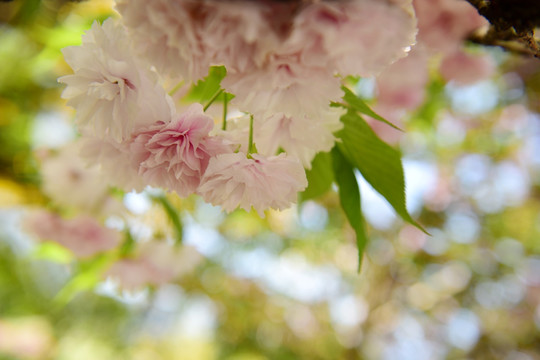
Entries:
{"x":54,"y":252}
{"x":173,"y":216}
{"x":435,"y":101}
{"x":320,"y":177}
{"x":128,"y":245}
{"x":378,"y":162}
{"x":359,"y":105}
{"x":88,"y":275}
{"x":206,"y":88}
{"x":349,"y":197}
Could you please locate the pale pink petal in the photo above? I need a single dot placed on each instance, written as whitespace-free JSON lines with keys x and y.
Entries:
{"x":113,"y":92}
{"x":175,"y":155}
{"x":444,"y":24}
{"x":233,"y":180}
{"x":466,"y":68}
{"x":402,"y":84}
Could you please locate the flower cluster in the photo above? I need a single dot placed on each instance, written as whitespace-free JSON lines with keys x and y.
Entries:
{"x":285,"y":62}
{"x":442,"y":27}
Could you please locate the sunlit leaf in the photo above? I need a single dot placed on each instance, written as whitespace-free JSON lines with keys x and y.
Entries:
{"x":359,"y":105}
{"x":378,"y":162}
{"x":349,"y":197}
{"x":319,"y":178}
{"x":206,"y":88}
{"x":173,"y":216}
{"x":87,"y":276}
{"x":53,"y":252}
{"x":434,"y":103}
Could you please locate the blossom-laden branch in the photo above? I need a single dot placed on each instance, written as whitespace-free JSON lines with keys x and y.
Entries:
{"x":284,"y":65}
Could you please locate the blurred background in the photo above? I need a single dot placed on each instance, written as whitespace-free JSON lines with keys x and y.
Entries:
{"x":286,"y":286}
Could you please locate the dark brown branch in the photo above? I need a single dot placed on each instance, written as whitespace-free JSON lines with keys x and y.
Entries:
{"x":512,"y":25}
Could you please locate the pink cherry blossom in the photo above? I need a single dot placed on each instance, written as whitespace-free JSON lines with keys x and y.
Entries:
{"x":69,"y":182}
{"x":112,"y":91}
{"x":300,"y":137}
{"x":360,"y":37}
{"x":285,"y":84}
{"x":443,"y":24}
{"x":402,"y":84}
{"x":82,"y":235}
{"x":154,"y":263}
{"x":464,"y":68}
{"x":234,"y":180}
{"x":175,"y":155}
{"x":118,"y":164}
{"x":183,"y":38}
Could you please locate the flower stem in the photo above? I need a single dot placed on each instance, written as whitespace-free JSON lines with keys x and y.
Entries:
{"x":250,"y":144}
{"x":212,"y":99}
{"x":225,"y":103}
{"x":128,"y":245}
{"x":176,"y":88}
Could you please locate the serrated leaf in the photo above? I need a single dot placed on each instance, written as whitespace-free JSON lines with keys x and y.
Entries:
{"x":378,"y":162}
{"x":204,"y":89}
{"x":349,"y":197}
{"x":320,"y":177}
{"x":359,"y":105}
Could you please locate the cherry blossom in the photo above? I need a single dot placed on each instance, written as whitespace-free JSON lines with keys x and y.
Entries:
{"x":234,"y":180}
{"x":300,"y":137}
{"x":118,"y":165}
{"x":361,"y":37}
{"x":155,"y":262}
{"x":175,"y":155}
{"x":402,"y":84}
{"x":112,"y":91}
{"x":83,"y":235}
{"x":183,"y":38}
{"x":284,"y":84}
{"x":464,"y":68}
{"x":69,"y":182}
{"x":443,"y":24}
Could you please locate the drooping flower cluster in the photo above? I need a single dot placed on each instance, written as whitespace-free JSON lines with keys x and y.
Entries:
{"x":284,"y":61}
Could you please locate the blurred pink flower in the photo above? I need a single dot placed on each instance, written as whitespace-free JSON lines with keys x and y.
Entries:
{"x":464,"y":68}
{"x":175,"y":155}
{"x":234,"y":180}
{"x":112,"y":91}
{"x":154,"y":263}
{"x":402,"y":84}
{"x":83,"y":235}
{"x":444,"y":24}
{"x":70,"y":183}
{"x":26,"y":337}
